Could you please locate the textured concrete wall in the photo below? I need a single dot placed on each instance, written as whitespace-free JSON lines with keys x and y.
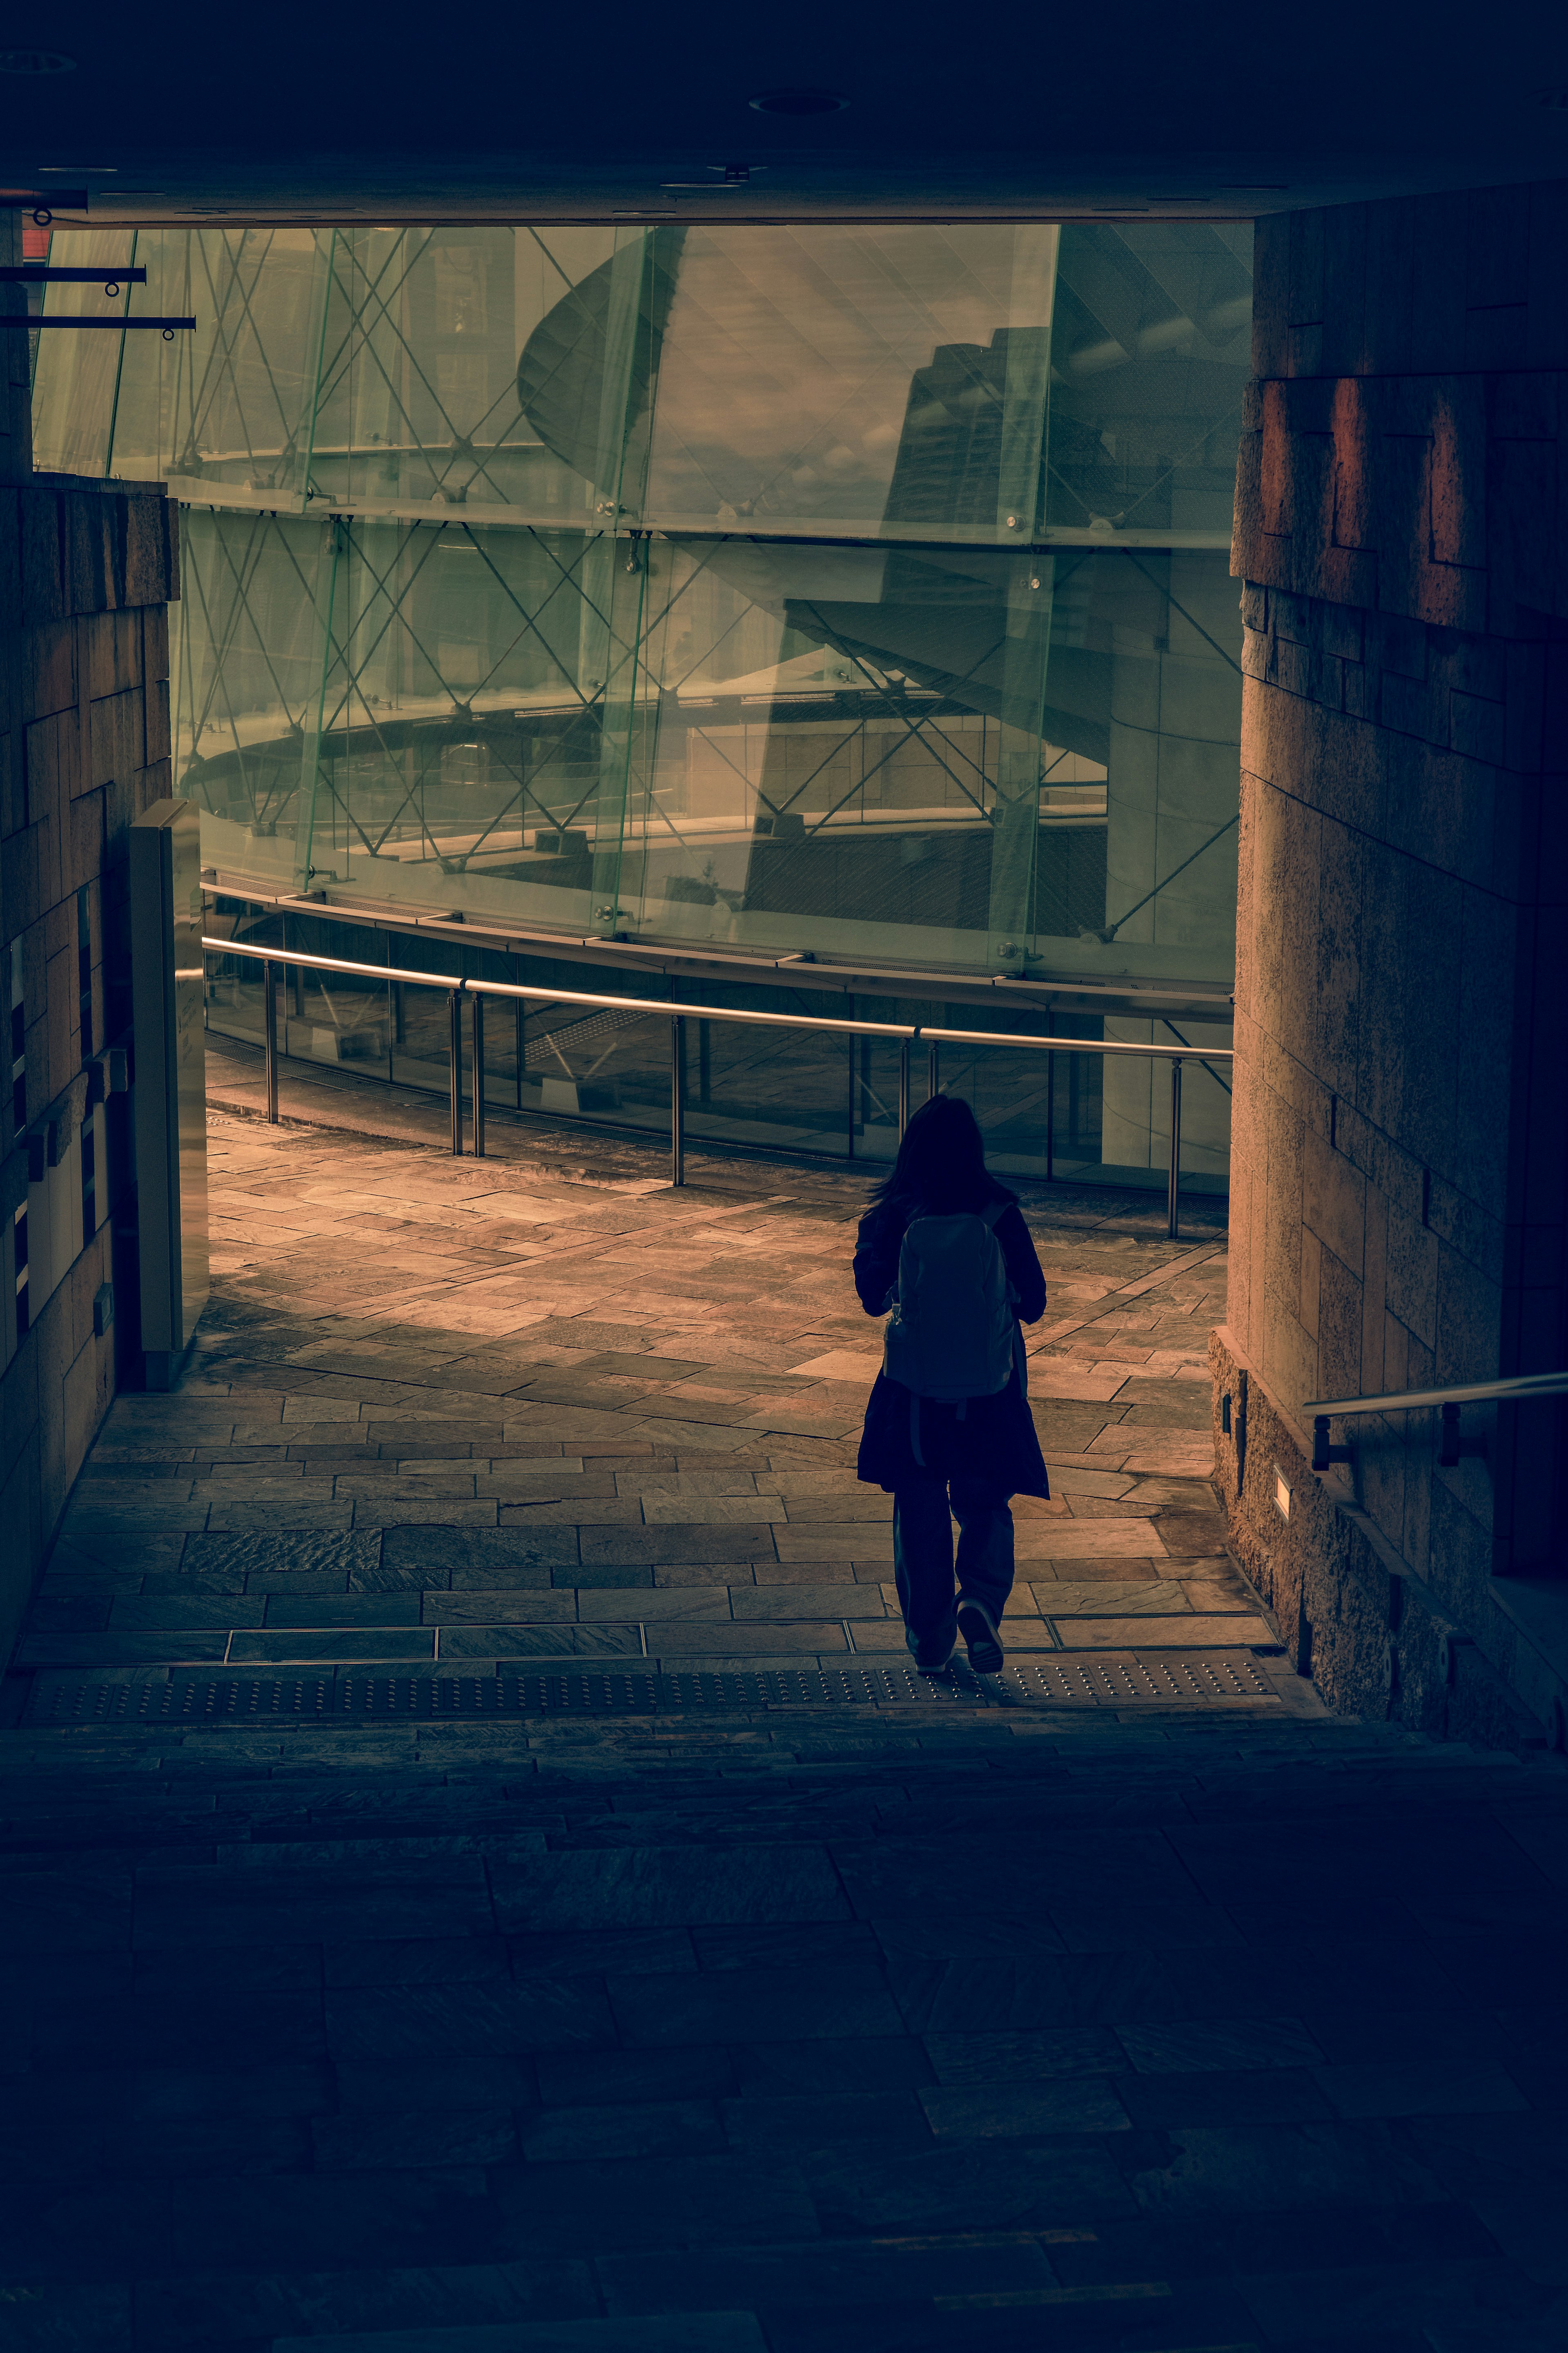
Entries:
{"x":86,"y":573}
{"x":1401,"y":1016}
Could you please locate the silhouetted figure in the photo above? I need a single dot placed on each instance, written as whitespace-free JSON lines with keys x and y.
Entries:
{"x":947,"y":1250}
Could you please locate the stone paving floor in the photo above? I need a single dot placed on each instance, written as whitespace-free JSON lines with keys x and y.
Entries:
{"x":1210,"y":2026}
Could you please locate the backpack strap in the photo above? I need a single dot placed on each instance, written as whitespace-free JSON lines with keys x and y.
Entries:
{"x":991,"y":1217}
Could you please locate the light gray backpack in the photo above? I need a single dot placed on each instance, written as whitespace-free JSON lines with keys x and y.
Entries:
{"x":952,"y":1330}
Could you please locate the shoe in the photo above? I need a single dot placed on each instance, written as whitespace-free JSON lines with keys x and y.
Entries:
{"x":981,"y":1639}
{"x":931,"y":1658}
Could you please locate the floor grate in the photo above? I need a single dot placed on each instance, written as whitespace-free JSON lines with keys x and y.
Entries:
{"x":183,"y":1696}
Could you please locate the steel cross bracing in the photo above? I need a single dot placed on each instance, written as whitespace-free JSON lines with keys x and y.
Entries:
{"x":355,"y":340}
{"x":346,"y":661}
{"x":292,"y":323}
{"x":219,"y":375}
{"x":382,"y":586}
{"x":319,"y":654}
{"x":365,"y":327}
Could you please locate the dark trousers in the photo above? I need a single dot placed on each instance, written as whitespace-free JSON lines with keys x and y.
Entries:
{"x":923,"y":1561}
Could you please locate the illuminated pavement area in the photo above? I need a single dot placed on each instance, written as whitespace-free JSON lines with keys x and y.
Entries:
{"x":638,"y":2012}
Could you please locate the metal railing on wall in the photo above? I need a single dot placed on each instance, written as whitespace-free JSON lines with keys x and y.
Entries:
{"x":907,"y":1035}
{"x":1515,"y":1390}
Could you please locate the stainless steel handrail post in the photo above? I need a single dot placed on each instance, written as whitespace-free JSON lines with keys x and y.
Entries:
{"x":933,"y":1072}
{"x":1173,"y":1184}
{"x":477,"y":1003}
{"x":455,"y":1053}
{"x":270,"y":1038}
{"x":677,"y":1100}
{"x":1051,"y":1114}
{"x":903,"y":1088}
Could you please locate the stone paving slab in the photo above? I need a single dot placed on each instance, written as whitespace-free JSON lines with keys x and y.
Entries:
{"x":1147,"y":1629}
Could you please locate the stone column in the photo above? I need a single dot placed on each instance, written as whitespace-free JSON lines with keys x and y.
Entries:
{"x":86,"y":572}
{"x":1399,"y":1178}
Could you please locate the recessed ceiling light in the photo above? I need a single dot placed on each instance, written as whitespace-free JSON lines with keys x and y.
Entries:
{"x":34,"y":61}
{"x":729,"y":176}
{"x":798,"y":101}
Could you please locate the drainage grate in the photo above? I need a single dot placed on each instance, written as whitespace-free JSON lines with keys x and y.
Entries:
{"x":183,"y":1696}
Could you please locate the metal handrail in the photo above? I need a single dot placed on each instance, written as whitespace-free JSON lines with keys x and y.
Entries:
{"x":906,"y":1033}
{"x":1522,"y":1384}
{"x":450,"y":981}
{"x":873,"y":980}
{"x":335,"y":963}
{"x":658,"y":1005}
{"x":1450,"y":1399}
{"x":906,"y":1029}
{"x":1080,"y":1045}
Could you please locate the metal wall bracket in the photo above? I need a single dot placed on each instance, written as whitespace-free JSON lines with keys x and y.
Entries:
{"x":44,"y":203}
{"x":1448,"y":1443}
{"x":114,"y":324}
{"x":1324,"y":1454}
{"x":38,"y":273}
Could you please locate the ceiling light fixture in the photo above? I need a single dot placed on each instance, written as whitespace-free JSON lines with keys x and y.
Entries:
{"x":797,"y":101}
{"x":732,"y":175}
{"x":36,"y":61}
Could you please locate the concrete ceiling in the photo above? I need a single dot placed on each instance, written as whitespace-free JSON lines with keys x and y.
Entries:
{"x":295,"y":112}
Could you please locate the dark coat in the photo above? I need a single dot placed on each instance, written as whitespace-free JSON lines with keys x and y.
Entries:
{"x":996,"y":1440}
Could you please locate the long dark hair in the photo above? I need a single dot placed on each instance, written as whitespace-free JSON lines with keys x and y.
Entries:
{"x":942,"y":1161}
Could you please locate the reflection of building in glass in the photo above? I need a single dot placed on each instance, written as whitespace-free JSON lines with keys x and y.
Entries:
{"x":858,"y":591}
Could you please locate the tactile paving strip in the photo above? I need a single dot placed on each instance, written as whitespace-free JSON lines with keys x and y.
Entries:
{"x":191,"y":1696}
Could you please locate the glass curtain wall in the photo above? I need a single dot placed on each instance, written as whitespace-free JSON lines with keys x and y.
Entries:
{"x":860,"y":590}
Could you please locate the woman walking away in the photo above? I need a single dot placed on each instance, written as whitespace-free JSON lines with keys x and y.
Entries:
{"x":947,"y":1250}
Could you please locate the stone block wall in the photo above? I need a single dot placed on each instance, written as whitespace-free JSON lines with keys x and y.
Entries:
{"x":87,"y":570}
{"x":1400,"y":1157}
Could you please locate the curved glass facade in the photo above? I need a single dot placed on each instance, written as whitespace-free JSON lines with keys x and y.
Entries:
{"x":853,"y":591}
